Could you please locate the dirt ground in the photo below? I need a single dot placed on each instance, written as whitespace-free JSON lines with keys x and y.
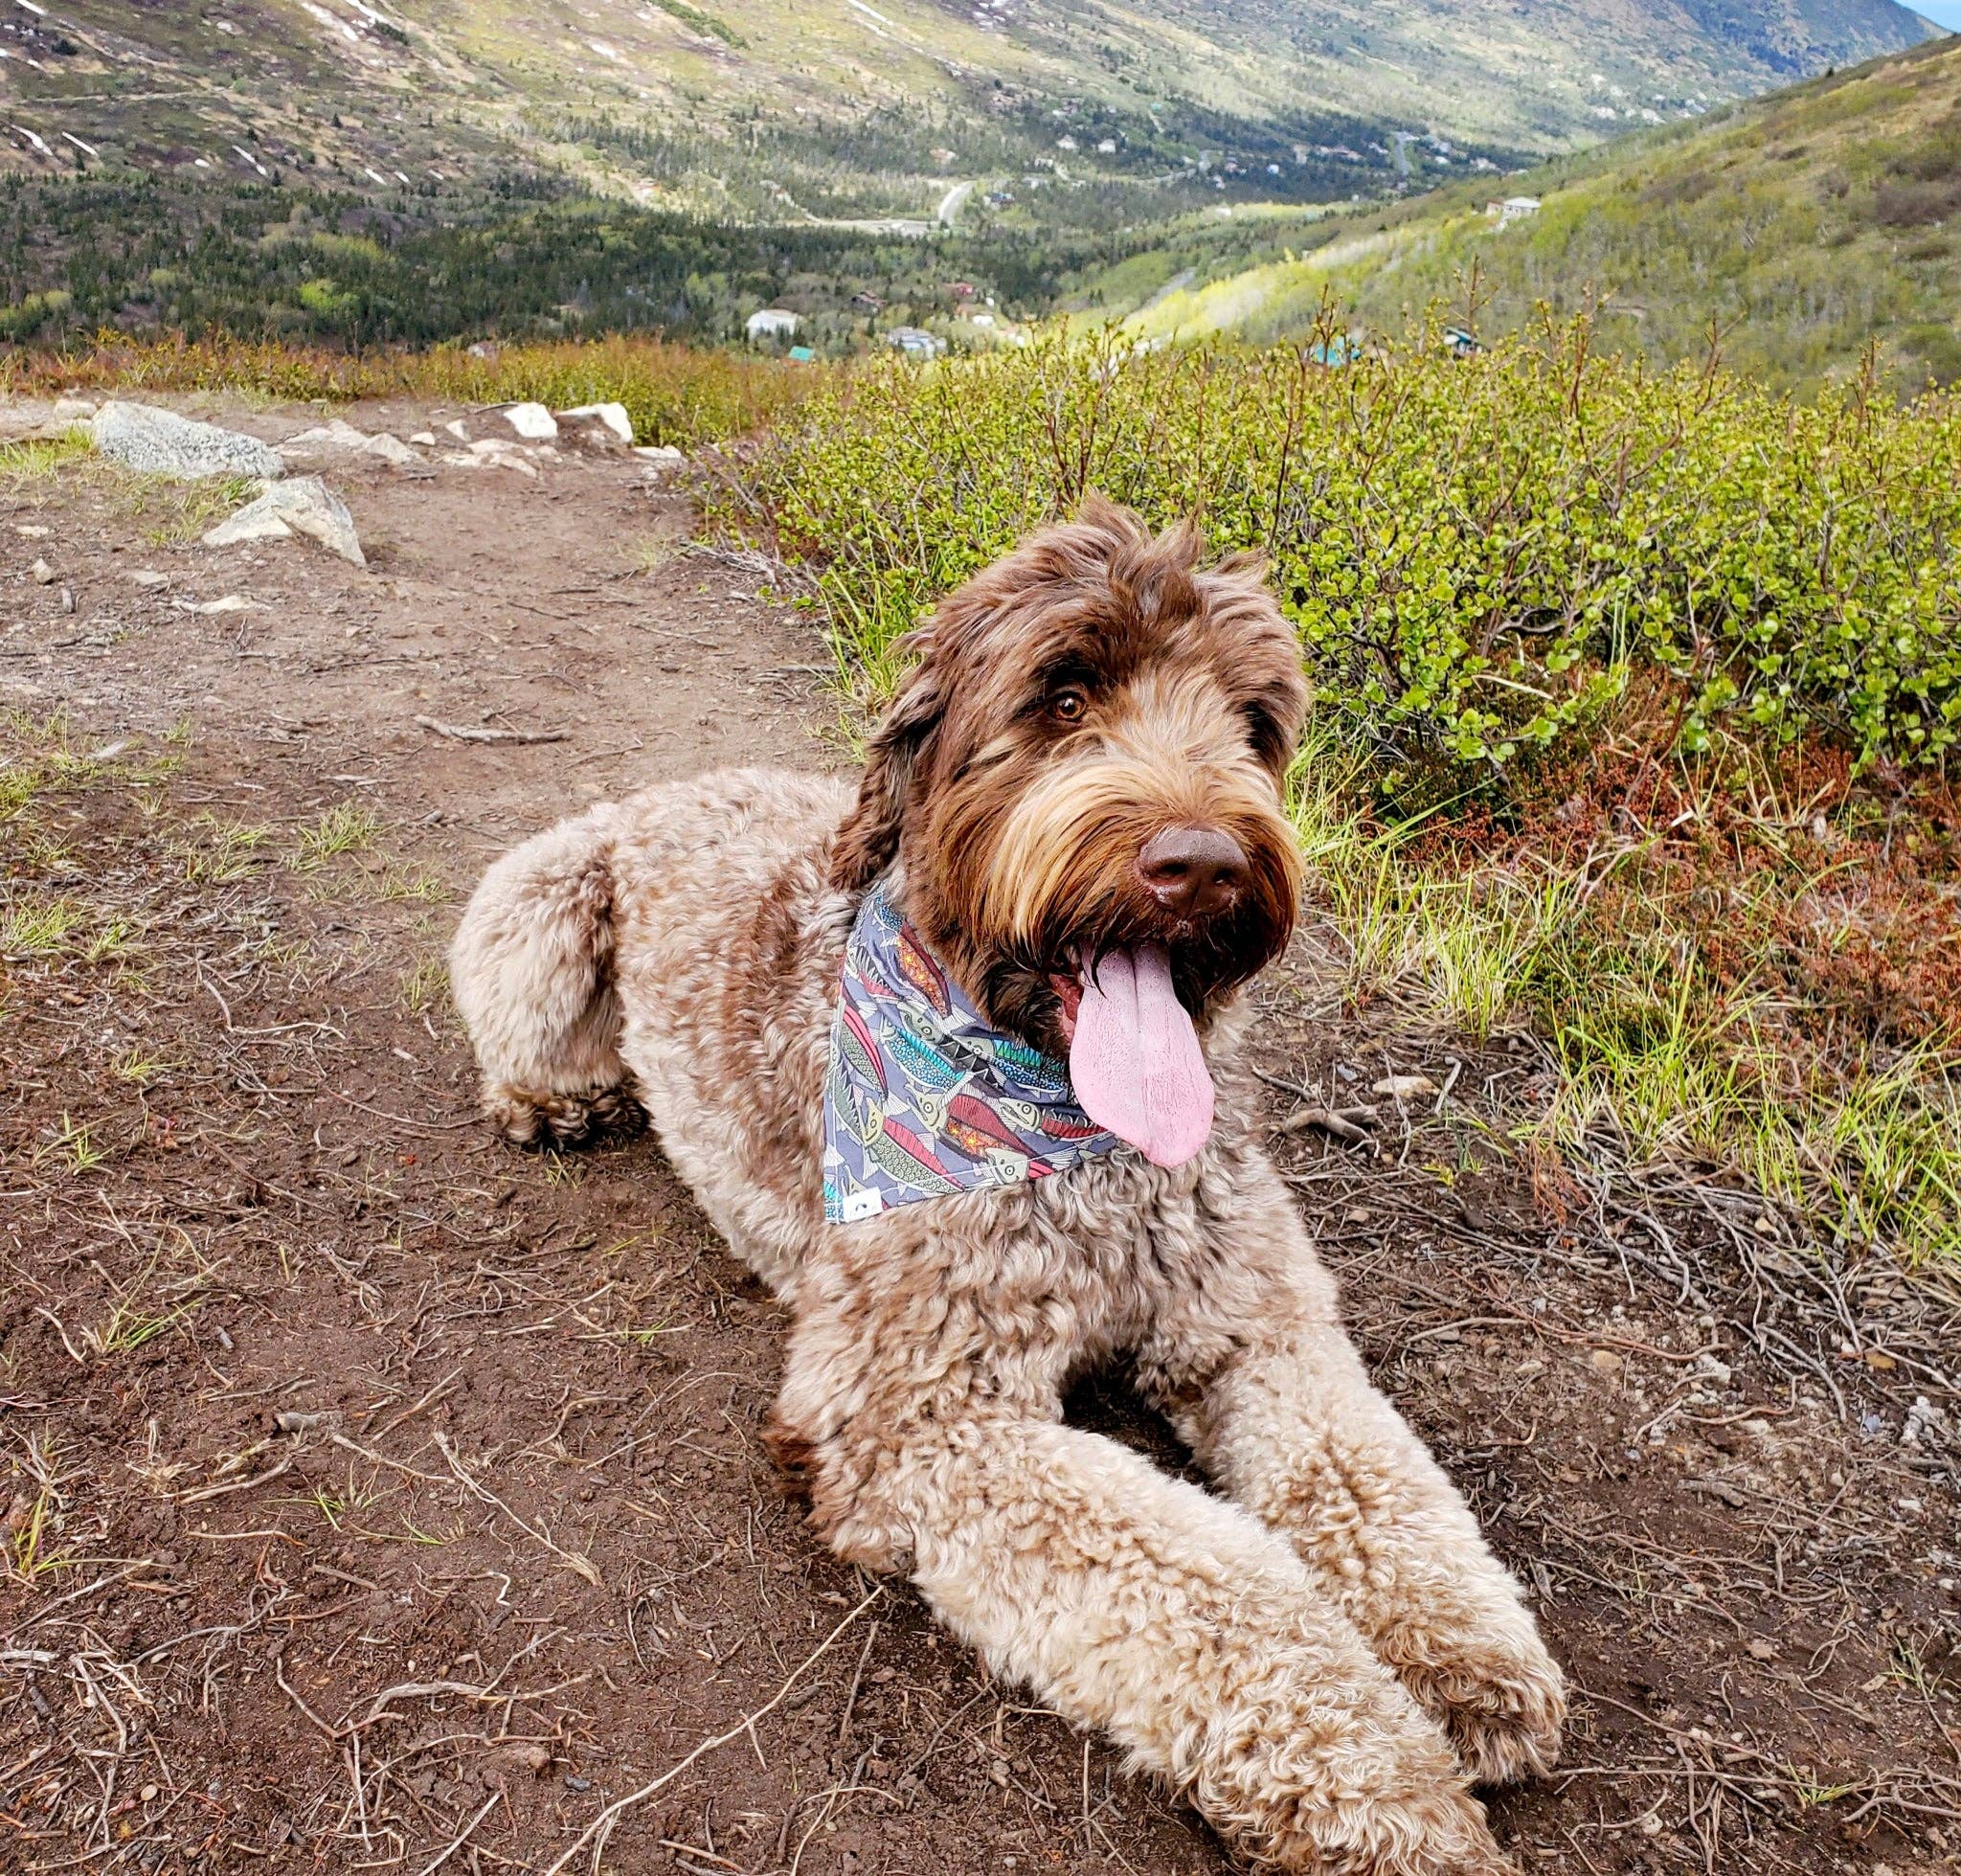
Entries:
{"x":378,"y":1497}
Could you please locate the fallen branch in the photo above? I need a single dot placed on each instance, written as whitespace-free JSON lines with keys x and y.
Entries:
{"x":1349,"y":1123}
{"x":483,"y":733}
{"x":600,"y":1828}
{"x":581,"y":1564}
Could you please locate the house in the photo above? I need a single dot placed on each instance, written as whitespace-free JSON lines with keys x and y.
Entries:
{"x":914,"y":343}
{"x":867,"y":302}
{"x":772,"y":323}
{"x":1513,"y":208}
{"x":960,"y":289}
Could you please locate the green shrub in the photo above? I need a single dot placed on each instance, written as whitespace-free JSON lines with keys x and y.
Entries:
{"x":1478,"y":553}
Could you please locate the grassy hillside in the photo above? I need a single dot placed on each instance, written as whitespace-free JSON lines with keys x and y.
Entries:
{"x":1807,"y":226}
{"x":841,"y":107}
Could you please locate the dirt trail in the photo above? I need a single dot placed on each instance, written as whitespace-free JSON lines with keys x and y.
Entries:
{"x":372,"y":1490}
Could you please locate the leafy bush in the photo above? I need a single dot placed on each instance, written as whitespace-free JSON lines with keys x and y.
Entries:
{"x":1479,"y":553}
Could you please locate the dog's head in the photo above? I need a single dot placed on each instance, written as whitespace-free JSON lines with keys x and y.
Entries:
{"x":1086,"y":765}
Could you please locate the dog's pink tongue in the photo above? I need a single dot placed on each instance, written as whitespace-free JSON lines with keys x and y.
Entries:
{"x":1135,"y":1058}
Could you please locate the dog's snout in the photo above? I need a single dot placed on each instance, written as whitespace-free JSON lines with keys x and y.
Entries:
{"x":1193,"y":871}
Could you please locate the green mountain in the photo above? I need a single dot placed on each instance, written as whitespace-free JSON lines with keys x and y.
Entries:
{"x":842,"y":108}
{"x":1796,"y":231}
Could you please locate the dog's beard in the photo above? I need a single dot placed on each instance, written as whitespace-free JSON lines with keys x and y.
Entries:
{"x":1096,"y":972}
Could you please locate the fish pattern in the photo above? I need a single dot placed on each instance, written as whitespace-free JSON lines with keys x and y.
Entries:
{"x":923,"y":1099}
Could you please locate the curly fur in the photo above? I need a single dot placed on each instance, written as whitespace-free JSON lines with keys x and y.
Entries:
{"x":1322,"y":1653}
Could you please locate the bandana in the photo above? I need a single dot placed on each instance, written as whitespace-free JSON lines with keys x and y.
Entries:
{"x":922,"y":1098}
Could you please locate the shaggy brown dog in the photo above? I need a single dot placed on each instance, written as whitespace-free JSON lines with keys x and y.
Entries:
{"x":1086,"y":764}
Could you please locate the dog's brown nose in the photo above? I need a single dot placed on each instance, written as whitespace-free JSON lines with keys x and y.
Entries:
{"x":1193,"y":871}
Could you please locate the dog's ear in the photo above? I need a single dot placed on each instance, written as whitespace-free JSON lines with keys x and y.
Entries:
{"x":864,"y":846}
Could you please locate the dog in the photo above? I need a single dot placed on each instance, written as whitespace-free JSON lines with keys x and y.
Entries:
{"x":846,"y":1013}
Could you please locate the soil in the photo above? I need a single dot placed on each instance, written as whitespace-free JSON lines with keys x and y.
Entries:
{"x":378,"y":1497}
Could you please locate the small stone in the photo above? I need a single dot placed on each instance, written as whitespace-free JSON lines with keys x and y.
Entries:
{"x":231,"y":602}
{"x":30,"y":531}
{"x":68,"y":598}
{"x":1359,"y":1215}
{"x":1606,"y":1361}
{"x":533,"y":422}
{"x":390,"y":449}
{"x":612,"y":418}
{"x":147,"y":1794}
{"x":426,"y":437}
{"x":150,"y":576}
{"x":44,"y":574}
{"x":1404,"y":1087}
{"x":1762,"y":1650}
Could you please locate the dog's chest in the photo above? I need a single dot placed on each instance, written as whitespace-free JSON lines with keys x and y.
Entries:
{"x":1123,"y":1240}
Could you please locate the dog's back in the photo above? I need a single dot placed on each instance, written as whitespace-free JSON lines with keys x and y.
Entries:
{"x":658,"y":953}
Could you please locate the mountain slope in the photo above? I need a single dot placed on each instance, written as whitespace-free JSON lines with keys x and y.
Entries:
{"x":1805,"y":225}
{"x":760,"y":107}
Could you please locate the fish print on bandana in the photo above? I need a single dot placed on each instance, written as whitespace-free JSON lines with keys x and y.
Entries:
{"x":922,"y":1098}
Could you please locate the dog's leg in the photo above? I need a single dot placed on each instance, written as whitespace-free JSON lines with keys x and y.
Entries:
{"x":1166,"y":1617}
{"x":1269,"y":1393}
{"x":531,"y":972}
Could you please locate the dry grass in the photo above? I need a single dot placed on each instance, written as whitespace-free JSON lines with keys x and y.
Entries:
{"x":675,"y":394}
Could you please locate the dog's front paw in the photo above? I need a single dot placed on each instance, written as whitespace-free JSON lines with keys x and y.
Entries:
{"x":1501,"y":1698}
{"x":1373,"y":1789}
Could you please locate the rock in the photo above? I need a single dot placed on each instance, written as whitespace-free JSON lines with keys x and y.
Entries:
{"x":496,"y":453}
{"x":68,"y":598}
{"x":533,"y":422}
{"x":341,"y":434}
{"x":612,"y":417}
{"x":1404,"y":1087}
{"x":159,"y":442}
{"x":30,"y":420}
{"x":44,"y":574}
{"x":150,"y":576}
{"x":302,"y":506}
{"x":426,"y":437}
{"x":231,"y":602}
{"x":1606,"y":1361}
{"x":458,"y":429}
{"x":660,"y":453}
{"x":483,"y":349}
{"x":30,"y":531}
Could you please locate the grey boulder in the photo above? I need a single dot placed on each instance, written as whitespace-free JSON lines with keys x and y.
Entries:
{"x":159,"y":442}
{"x":300,"y":504}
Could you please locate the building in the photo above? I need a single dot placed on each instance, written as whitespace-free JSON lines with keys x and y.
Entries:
{"x":914,"y":341}
{"x":772,"y":323}
{"x":1513,"y":208}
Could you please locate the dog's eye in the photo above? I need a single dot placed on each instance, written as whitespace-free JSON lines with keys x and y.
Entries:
{"x":1068,"y":706}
